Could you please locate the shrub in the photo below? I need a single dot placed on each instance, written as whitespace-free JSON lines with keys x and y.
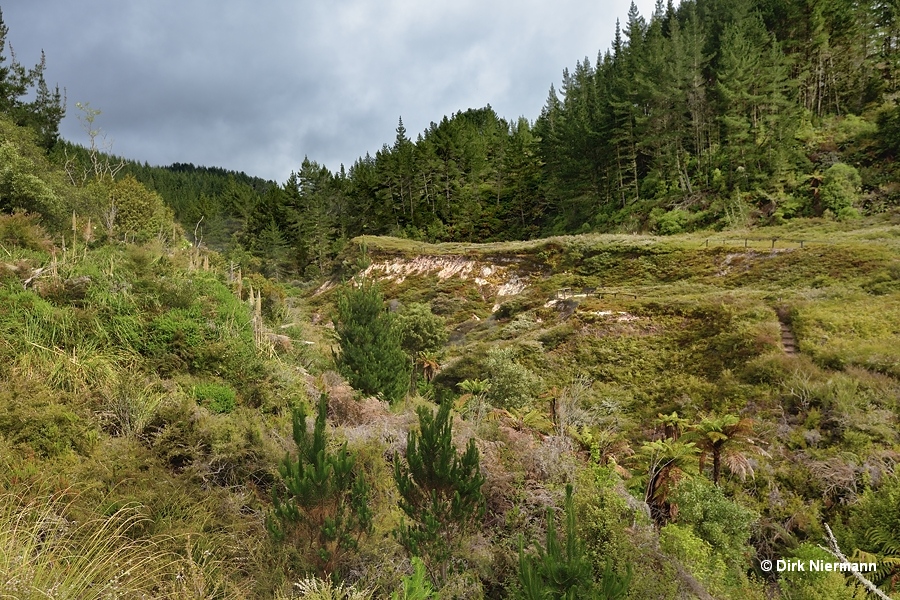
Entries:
{"x":422,"y":335}
{"x":174,"y":340}
{"x":420,"y":330}
{"x":812,"y":585}
{"x":440,"y":491}
{"x":415,"y":586}
{"x":24,"y":186}
{"x":216,"y":397}
{"x":718,"y":521}
{"x":681,"y":542}
{"x":32,"y":418}
{"x":512,"y":384}
{"x":324,"y":503}
{"x":671,"y":222}
{"x":134,"y":211}
{"x":24,"y":231}
{"x":564,"y":571}
{"x":840,"y":188}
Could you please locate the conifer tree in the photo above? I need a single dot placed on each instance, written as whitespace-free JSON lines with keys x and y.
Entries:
{"x":563,"y":570}
{"x":440,"y":491}
{"x":371,"y":357}
{"x":42,"y":114}
{"x":324,"y":505}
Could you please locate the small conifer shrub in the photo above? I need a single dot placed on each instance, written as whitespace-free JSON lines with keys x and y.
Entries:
{"x":371,"y":357}
{"x":440,"y":491}
{"x":323,"y":507}
{"x":563,"y":570}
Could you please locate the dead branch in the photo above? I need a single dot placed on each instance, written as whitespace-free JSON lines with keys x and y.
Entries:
{"x":835,"y":551}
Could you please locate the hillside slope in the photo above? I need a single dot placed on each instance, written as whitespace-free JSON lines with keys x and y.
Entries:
{"x":150,"y":400}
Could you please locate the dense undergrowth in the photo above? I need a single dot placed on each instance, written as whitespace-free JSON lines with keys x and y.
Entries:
{"x":145,"y":408}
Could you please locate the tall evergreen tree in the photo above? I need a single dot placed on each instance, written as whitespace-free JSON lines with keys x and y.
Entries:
{"x":42,"y":114}
{"x":311,"y":211}
{"x":757,"y":116}
{"x":371,"y":357}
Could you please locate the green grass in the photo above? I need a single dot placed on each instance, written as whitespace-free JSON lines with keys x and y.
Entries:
{"x":854,"y":329}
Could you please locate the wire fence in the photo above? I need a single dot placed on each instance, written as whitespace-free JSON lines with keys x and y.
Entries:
{"x":760,"y":242}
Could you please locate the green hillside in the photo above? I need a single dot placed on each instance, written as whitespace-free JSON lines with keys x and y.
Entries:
{"x":212,"y":386}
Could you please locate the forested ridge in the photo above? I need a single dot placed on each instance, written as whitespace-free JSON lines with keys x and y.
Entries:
{"x":217,"y":386}
{"x":708,"y":114}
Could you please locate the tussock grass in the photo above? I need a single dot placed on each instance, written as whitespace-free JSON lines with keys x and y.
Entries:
{"x":46,"y":554}
{"x":51,"y":546}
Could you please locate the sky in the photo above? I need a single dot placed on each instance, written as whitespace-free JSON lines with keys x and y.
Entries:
{"x":257,"y":86}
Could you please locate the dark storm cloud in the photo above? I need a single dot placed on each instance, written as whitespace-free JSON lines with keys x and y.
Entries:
{"x":257,"y":86}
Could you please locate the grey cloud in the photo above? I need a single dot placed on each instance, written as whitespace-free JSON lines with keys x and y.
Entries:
{"x":256,"y":86}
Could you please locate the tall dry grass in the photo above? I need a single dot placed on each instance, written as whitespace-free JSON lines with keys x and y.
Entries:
{"x":47,"y":552}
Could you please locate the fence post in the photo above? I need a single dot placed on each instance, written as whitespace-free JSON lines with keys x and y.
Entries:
{"x":773,"y":242}
{"x":745,"y":242}
{"x":707,"y":242}
{"x":801,"y":243}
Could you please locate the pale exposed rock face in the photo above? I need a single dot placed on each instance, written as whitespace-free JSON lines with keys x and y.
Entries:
{"x":493,"y":280}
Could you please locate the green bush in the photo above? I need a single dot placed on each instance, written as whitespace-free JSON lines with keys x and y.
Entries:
{"x":840,"y":189}
{"x":440,"y":491}
{"x":33,"y":419}
{"x":420,"y":330}
{"x":371,"y":358}
{"x":697,"y":554}
{"x":174,"y":340}
{"x":670,"y":223}
{"x":415,"y":586}
{"x":562,"y":569}
{"x":719,"y":522}
{"x":512,"y":384}
{"x":23,"y":230}
{"x":813,"y":585}
{"x":323,"y":503}
{"x":216,"y":397}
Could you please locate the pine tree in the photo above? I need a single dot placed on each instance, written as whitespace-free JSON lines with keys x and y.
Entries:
{"x":272,"y":247}
{"x":440,"y":491}
{"x":13,"y":77}
{"x":44,"y":113}
{"x":324,"y":503}
{"x":757,"y":117}
{"x":311,"y":202}
{"x":371,"y":357}
{"x":563,"y":570}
